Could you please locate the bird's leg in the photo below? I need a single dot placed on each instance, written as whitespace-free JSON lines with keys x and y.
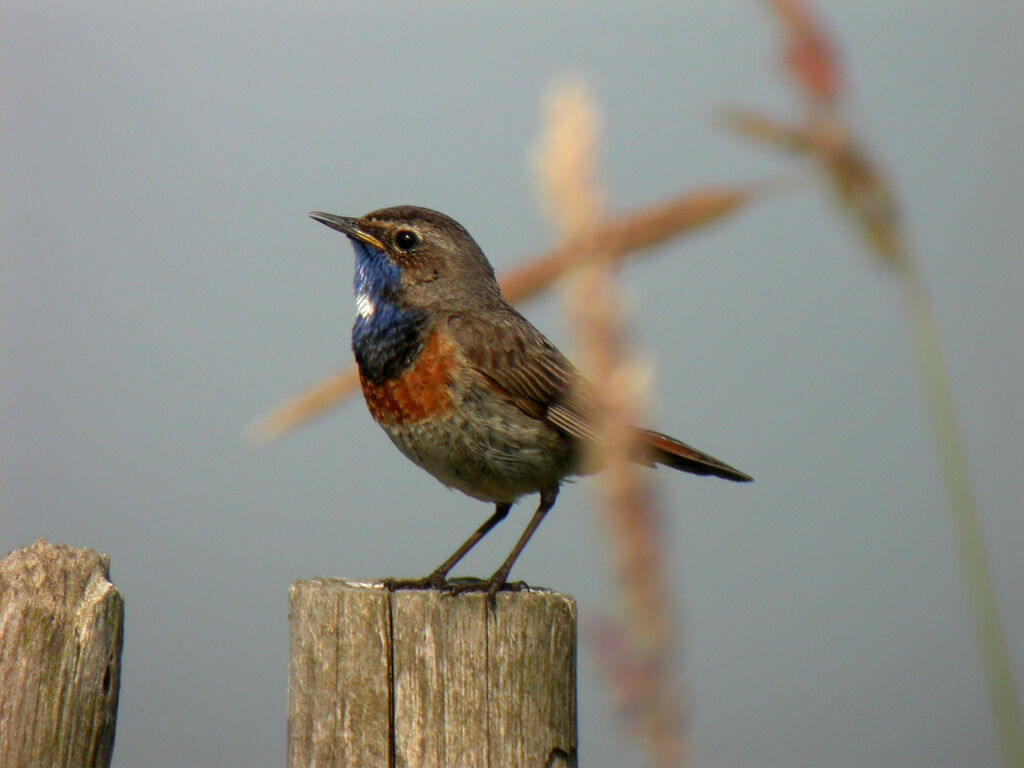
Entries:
{"x":497,"y":581}
{"x":439,"y":576}
{"x":500,"y":512}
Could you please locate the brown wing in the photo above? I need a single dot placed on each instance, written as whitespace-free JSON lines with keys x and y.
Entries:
{"x":515,"y":359}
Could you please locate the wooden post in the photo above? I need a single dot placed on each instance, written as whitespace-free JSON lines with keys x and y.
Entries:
{"x":60,"y":657}
{"x":415,"y":678}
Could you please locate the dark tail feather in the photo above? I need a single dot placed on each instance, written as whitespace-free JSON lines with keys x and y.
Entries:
{"x":662,"y":449}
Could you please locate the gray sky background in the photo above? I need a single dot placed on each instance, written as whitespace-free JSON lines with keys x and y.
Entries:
{"x":160,"y":286}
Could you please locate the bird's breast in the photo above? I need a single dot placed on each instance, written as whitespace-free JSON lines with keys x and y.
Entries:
{"x":422,"y":390}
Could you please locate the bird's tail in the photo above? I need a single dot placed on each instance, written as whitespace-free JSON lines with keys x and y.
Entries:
{"x":662,"y":449}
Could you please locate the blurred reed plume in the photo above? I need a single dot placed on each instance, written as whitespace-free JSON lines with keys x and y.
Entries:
{"x":638,"y":644}
{"x":809,"y":55}
{"x":865,"y":196}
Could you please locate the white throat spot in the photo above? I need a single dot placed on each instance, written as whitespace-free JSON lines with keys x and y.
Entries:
{"x":364,"y":305}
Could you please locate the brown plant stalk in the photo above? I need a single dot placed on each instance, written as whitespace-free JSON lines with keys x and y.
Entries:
{"x":809,"y":54}
{"x":643,"y":673}
{"x":869,"y":201}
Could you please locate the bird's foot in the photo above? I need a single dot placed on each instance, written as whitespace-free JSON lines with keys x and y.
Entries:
{"x":435,"y":580}
{"x":491,"y":586}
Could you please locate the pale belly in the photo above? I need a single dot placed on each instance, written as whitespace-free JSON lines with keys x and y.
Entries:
{"x":493,"y":451}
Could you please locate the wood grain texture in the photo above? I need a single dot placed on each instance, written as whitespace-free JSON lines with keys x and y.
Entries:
{"x":60,"y":657}
{"x":339,"y":695}
{"x":415,"y":678}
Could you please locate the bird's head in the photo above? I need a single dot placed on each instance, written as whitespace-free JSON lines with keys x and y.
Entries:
{"x":415,"y":257}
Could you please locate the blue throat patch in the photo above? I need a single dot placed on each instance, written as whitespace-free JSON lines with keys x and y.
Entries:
{"x":386,"y":338}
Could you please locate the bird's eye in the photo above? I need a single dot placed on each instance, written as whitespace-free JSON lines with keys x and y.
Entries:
{"x":406,"y":239}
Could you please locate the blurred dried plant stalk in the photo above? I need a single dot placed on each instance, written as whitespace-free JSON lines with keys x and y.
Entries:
{"x":861,"y":188}
{"x":809,"y":54}
{"x":640,"y":664}
{"x":864,"y":194}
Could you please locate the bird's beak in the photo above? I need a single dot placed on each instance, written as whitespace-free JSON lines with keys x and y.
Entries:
{"x":349,"y":226}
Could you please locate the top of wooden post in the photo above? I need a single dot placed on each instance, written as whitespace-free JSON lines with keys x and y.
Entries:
{"x":55,"y":574}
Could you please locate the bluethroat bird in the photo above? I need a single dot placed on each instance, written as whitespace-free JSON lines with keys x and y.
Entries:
{"x":463,"y":384}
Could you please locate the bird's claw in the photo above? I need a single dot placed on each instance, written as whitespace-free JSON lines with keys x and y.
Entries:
{"x":434,"y":581}
{"x":491,"y":586}
{"x":460,"y":586}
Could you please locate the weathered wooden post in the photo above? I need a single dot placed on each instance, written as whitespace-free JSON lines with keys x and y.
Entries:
{"x":60,"y":657}
{"x":416,"y":679}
